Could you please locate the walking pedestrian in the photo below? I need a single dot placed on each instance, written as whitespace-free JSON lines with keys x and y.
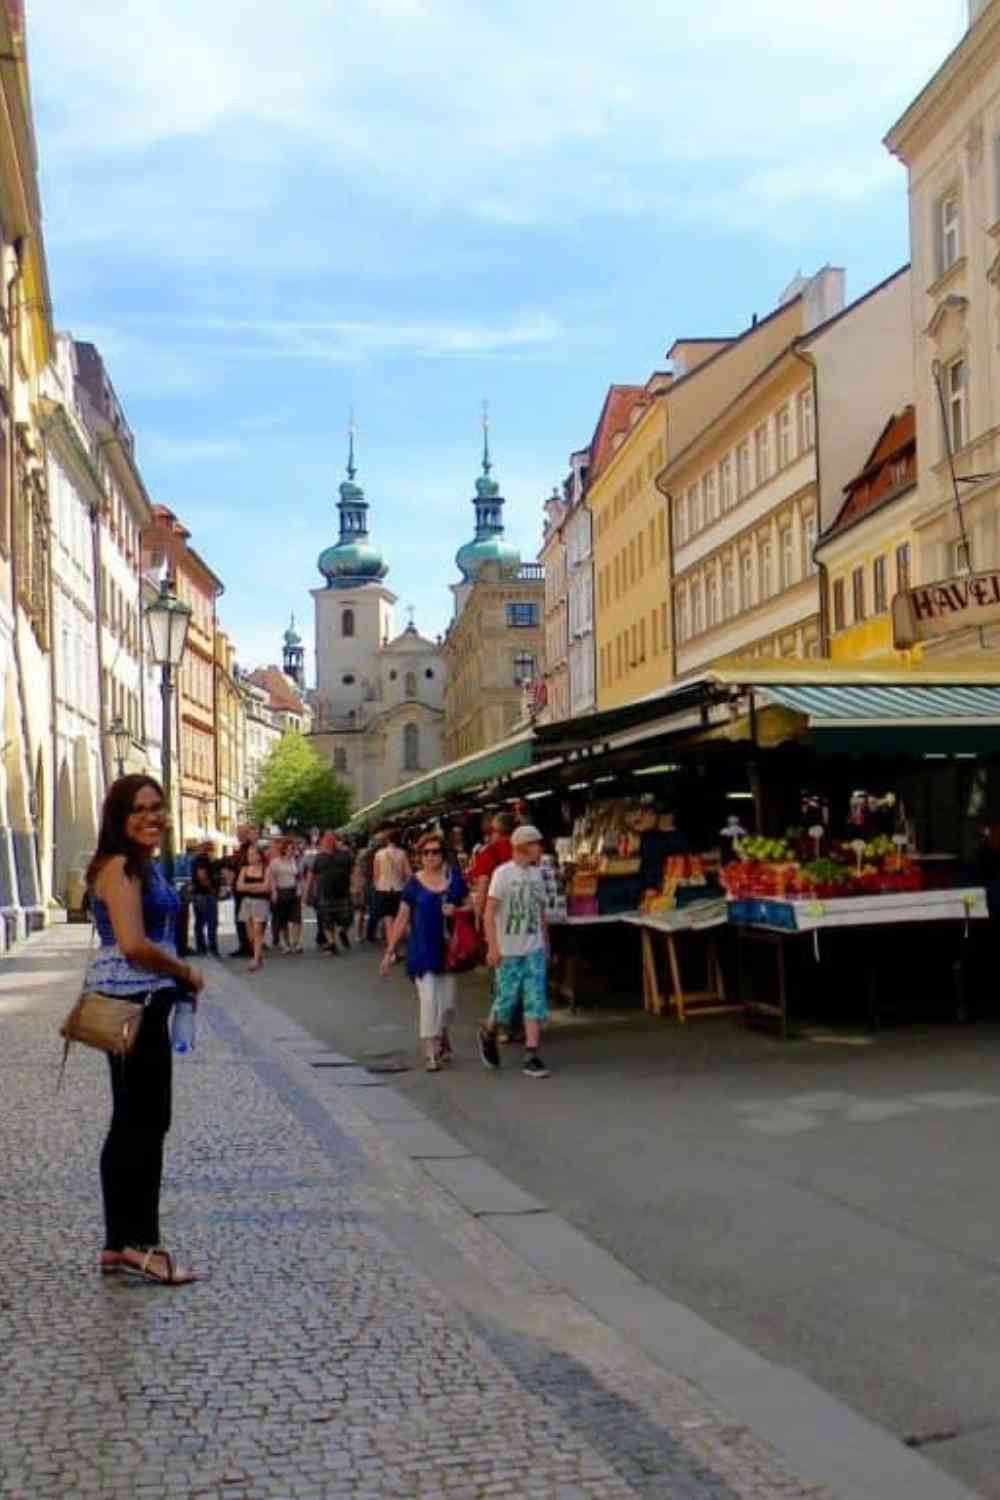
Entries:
{"x":135,"y":910}
{"x":517,"y":950}
{"x":247,"y":835}
{"x":390,"y":872}
{"x":330,"y":891}
{"x":286,"y":884}
{"x":253,"y":886}
{"x":359,"y":897}
{"x":206,"y":882}
{"x":496,"y":851}
{"x":426,"y":902}
{"x":308,"y":861}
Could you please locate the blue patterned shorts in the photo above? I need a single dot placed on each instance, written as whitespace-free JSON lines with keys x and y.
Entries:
{"x":521,"y":978}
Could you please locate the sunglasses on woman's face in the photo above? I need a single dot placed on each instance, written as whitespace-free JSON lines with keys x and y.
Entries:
{"x":435,"y":850}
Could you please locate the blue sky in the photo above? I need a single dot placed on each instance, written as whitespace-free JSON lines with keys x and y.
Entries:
{"x":266,"y":214}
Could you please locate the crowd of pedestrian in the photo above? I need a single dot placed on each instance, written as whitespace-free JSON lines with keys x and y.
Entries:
{"x":404,"y":891}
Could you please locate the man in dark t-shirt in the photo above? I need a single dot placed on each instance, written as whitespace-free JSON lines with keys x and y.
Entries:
{"x":330,"y":890}
{"x":206,"y":880}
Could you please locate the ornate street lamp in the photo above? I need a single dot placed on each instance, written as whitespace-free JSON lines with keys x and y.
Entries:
{"x":121,"y":737}
{"x":167,"y":621}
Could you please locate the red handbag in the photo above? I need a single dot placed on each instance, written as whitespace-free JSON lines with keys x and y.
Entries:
{"x":464,"y":948}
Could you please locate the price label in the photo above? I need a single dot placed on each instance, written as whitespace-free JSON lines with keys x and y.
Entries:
{"x":815,"y":909}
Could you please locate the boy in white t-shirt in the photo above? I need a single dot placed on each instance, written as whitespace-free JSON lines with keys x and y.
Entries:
{"x":517,"y":948}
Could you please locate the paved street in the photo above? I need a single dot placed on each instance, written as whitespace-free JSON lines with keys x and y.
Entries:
{"x":362,"y":1333}
{"x":831,"y":1205}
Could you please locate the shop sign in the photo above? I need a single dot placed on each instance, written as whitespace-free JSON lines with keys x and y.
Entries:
{"x":936,"y":609}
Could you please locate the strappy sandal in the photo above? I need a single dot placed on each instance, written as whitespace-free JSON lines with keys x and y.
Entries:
{"x":144,"y":1271}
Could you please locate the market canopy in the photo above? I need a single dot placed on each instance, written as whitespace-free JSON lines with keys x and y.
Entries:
{"x":459,"y":775}
{"x":929,"y":709}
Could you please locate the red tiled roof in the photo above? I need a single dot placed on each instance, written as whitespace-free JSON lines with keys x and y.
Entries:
{"x":614,"y":418}
{"x":891,"y":468}
{"x":276,"y":684}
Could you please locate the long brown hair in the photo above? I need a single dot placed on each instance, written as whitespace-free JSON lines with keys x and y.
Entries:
{"x":113,"y":839}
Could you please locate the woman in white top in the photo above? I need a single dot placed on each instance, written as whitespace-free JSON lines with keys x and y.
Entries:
{"x":286,"y":889}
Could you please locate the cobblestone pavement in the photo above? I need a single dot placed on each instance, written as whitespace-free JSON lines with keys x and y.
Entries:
{"x":359,"y":1335}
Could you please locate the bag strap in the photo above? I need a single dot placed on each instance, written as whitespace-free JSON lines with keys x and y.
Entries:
{"x":67,"y":1043}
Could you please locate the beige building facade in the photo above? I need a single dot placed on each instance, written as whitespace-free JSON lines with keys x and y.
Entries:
{"x":494,"y":652}
{"x":553,"y":558}
{"x":949,"y":141}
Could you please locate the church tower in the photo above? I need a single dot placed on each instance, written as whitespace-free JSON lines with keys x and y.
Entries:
{"x":489,"y":544}
{"x":294,"y":656}
{"x":353,"y":610}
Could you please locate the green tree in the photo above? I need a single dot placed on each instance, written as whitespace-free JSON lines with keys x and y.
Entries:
{"x":298,"y":789}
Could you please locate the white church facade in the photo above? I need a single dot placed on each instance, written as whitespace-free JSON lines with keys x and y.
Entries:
{"x":378,"y":707}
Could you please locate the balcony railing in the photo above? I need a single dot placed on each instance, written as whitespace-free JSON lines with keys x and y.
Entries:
{"x":531,"y":572}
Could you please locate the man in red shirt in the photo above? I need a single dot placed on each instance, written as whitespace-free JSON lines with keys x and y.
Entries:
{"x":496,"y":851}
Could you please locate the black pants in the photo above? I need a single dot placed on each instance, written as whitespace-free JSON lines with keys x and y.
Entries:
{"x":132,"y":1159}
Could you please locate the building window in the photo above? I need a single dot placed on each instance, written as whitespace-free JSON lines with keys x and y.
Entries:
{"x":697,"y":609}
{"x":785,"y":454}
{"x":681,"y":519}
{"x":762,"y":444}
{"x":410,"y":685}
{"x":728,"y":592}
{"x":746,"y":581}
{"x":712,"y":600}
{"x":347,"y":622}
{"x":694,"y":509}
{"x":522,"y":615}
{"x":809,"y":543}
{"x":661,"y":544}
{"x":902,"y":567}
{"x":766,"y":567}
{"x":709,"y":497}
{"x":348,"y":679}
{"x":838,"y":604}
{"x":524,"y":668}
{"x":956,"y":396}
{"x":958,"y":557}
{"x":807,"y":420}
{"x":879,"y":599}
{"x":411,"y":747}
{"x":949,"y":236}
{"x":858,"y":593}
{"x":654,"y":632}
{"x":429,"y":673}
{"x":340,"y":760}
{"x":787,"y":554}
{"x":683,"y":623}
{"x":744,"y":480}
{"x":726,"y":483}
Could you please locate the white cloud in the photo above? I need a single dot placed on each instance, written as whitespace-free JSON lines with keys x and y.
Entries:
{"x":524,"y":115}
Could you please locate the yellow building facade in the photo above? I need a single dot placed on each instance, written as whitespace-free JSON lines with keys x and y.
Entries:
{"x":631,"y":567}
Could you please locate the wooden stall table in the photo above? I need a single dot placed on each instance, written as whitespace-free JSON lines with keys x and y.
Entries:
{"x":570,"y":960}
{"x":672,"y":926}
{"x":781,"y":924}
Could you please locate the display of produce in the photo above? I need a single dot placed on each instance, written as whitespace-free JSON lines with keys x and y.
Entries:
{"x":769,"y":867}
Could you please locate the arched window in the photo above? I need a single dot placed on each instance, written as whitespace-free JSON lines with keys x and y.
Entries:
{"x":411,"y":747}
{"x":340,"y":760}
{"x":411,"y":684}
{"x":347,"y":622}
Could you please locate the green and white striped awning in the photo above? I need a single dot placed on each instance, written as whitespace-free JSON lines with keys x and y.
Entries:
{"x":895,"y":718}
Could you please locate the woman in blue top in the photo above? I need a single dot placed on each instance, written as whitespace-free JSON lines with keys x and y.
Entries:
{"x":135,"y":912}
{"x":425,"y":902}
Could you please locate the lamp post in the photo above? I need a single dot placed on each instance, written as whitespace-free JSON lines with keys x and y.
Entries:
{"x":121,"y":737}
{"x":167,"y":621}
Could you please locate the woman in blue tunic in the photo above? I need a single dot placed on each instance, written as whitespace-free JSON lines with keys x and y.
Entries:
{"x":427,"y":900}
{"x":135,"y":913}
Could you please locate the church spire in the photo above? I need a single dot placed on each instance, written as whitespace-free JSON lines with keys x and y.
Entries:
{"x":353,"y":560}
{"x":489,"y":545}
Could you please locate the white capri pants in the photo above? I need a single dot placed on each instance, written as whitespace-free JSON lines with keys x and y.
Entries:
{"x":436,"y":993}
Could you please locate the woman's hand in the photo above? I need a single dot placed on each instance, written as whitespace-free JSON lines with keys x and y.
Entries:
{"x":195,"y":979}
{"x":388,"y":959}
{"x":493,"y":956}
{"x":447,"y":909}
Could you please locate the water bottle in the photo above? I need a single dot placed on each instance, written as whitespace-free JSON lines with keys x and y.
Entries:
{"x":182,"y":1026}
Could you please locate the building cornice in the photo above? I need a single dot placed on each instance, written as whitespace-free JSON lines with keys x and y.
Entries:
{"x":60,"y":431}
{"x":947,"y":90}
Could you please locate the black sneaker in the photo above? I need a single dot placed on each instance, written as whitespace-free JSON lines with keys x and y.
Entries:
{"x":534,"y":1067}
{"x":489,"y":1052}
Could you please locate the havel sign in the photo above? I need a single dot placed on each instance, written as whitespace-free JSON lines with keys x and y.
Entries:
{"x":936,"y":609}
